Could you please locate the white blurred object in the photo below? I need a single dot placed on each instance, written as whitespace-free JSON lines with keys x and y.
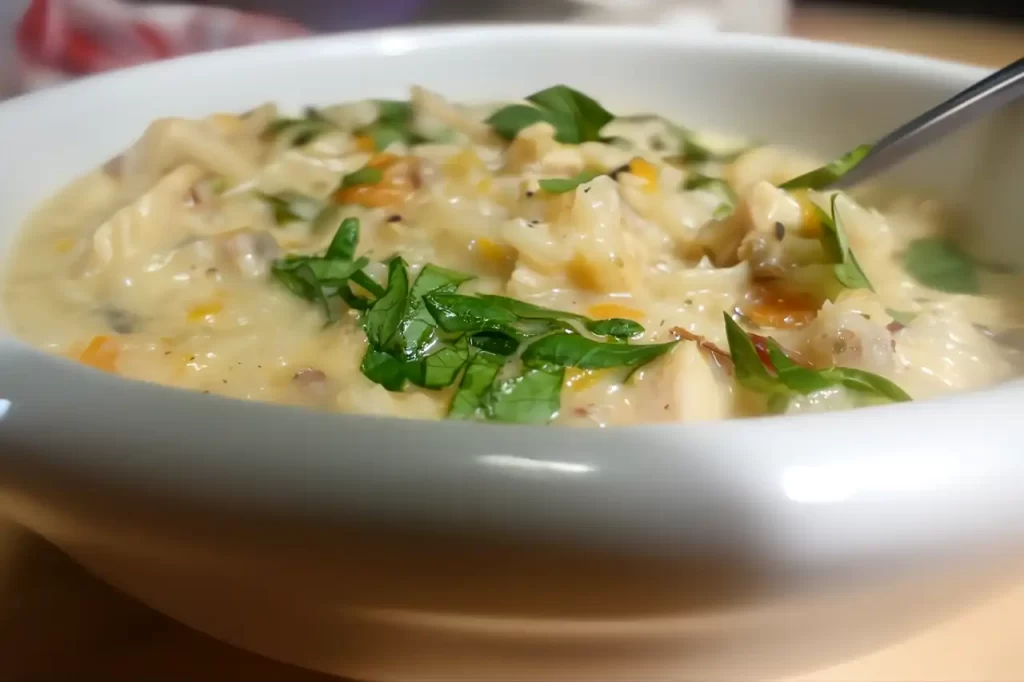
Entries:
{"x":745,"y":16}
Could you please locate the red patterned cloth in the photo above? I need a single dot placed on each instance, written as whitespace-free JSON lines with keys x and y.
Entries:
{"x":61,"y":39}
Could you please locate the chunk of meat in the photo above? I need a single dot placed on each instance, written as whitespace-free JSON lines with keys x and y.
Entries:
{"x":250,"y":252}
{"x":683,"y":386}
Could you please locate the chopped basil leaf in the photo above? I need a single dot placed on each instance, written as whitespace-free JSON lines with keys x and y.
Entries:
{"x":439,"y":369}
{"x":836,"y":244}
{"x":510,"y":120}
{"x":615,"y":327}
{"x":394,"y":111}
{"x":820,"y":178}
{"x":460,"y":314}
{"x":343,"y":245}
{"x":717,"y":185}
{"x":426,"y":360}
{"x":495,"y":342}
{"x":316,"y":279}
{"x":750,"y":372}
{"x":301,"y":131}
{"x":533,"y":397}
{"x":562,"y":185}
{"x":382,"y":320}
{"x":366,"y":175}
{"x":289,"y":207}
{"x":901,"y":316}
{"x":480,"y":374}
{"x":941,"y":265}
{"x":573,"y":350}
{"x":790,"y":378}
{"x":866,"y":383}
{"x":393,"y":124}
{"x":384,"y":369}
{"x":576,"y":117}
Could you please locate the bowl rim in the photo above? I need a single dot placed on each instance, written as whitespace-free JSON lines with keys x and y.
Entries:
{"x":459,"y":463}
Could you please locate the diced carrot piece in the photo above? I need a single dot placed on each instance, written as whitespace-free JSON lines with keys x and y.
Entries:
{"x":583,"y":274}
{"x":101,"y":353}
{"x":398,"y":182}
{"x":604,"y":311}
{"x":500,"y":256}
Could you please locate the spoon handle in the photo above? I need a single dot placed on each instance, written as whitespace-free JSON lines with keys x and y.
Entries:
{"x":998,"y":90}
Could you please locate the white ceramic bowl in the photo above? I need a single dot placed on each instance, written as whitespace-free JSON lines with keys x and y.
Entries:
{"x":387,"y":549}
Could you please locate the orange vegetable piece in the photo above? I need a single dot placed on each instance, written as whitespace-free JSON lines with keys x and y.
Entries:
{"x":364,"y":143}
{"x":642,"y":168}
{"x":773,"y":306}
{"x":400,"y":179}
{"x":101,"y":353}
{"x":604,"y":311}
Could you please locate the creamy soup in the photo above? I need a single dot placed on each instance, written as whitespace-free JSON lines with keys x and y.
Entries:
{"x":543,"y":261}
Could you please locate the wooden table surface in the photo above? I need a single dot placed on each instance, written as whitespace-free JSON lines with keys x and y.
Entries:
{"x":57,"y":622}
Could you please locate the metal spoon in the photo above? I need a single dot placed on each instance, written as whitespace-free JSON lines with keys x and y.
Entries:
{"x":987,"y":95}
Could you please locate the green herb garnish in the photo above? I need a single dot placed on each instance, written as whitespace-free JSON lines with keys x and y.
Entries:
{"x":301,"y":131}
{"x":576,"y":117}
{"x":573,"y":350}
{"x":367,"y":175}
{"x":291,"y":207}
{"x":941,"y":265}
{"x":820,"y":178}
{"x":563,"y":185}
{"x":511,"y":355}
{"x":785,"y":378}
{"x":902,"y":317}
{"x":719,"y":186}
{"x":837,"y":245}
{"x":393,"y":124}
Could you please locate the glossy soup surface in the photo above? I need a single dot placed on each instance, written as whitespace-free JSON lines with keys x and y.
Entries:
{"x":370,"y":257}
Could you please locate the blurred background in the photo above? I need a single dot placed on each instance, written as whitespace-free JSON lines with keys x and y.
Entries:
{"x":67,"y":38}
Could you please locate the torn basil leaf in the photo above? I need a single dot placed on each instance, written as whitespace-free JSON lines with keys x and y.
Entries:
{"x":343,"y":245}
{"x":573,"y":350}
{"x":575,"y":117}
{"x":440,"y":368}
{"x":787,"y":378}
{"x":941,"y":265}
{"x":384,"y":369}
{"x":820,"y":178}
{"x":563,"y":185}
{"x":316,"y":279}
{"x":717,"y":185}
{"x":837,"y":245}
{"x":289,"y":207}
{"x":382,"y":320}
{"x":467,"y":403}
{"x":533,"y":397}
{"x":300,"y":131}
{"x":393,"y":124}
{"x":615,"y":327}
{"x":902,"y":317}
{"x":366,"y":175}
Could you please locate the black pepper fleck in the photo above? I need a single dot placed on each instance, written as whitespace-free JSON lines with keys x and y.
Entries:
{"x":529,"y":193}
{"x":666,"y":406}
{"x":780,"y":231}
{"x":259,"y":366}
{"x":394,"y":218}
{"x":192,"y":359}
{"x":688,"y":301}
{"x":167,"y":352}
{"x":586,"y":190}
{"x":224,"y":381}
{"x":206,"y":392}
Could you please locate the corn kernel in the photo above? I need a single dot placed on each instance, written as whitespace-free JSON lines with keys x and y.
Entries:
{"x":645,"y":170}
{"x":462,"y":164}
{"x":201,"y":311}
{"x":578,"y":380}
{"x":485,"y":185}
{"x":810,"y":219}
{"x":365,"y":144}
{"x":504,"y":257}
{"x":583,"y":274}
{"x":64,"y":245}
{"x":604,"y":311}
